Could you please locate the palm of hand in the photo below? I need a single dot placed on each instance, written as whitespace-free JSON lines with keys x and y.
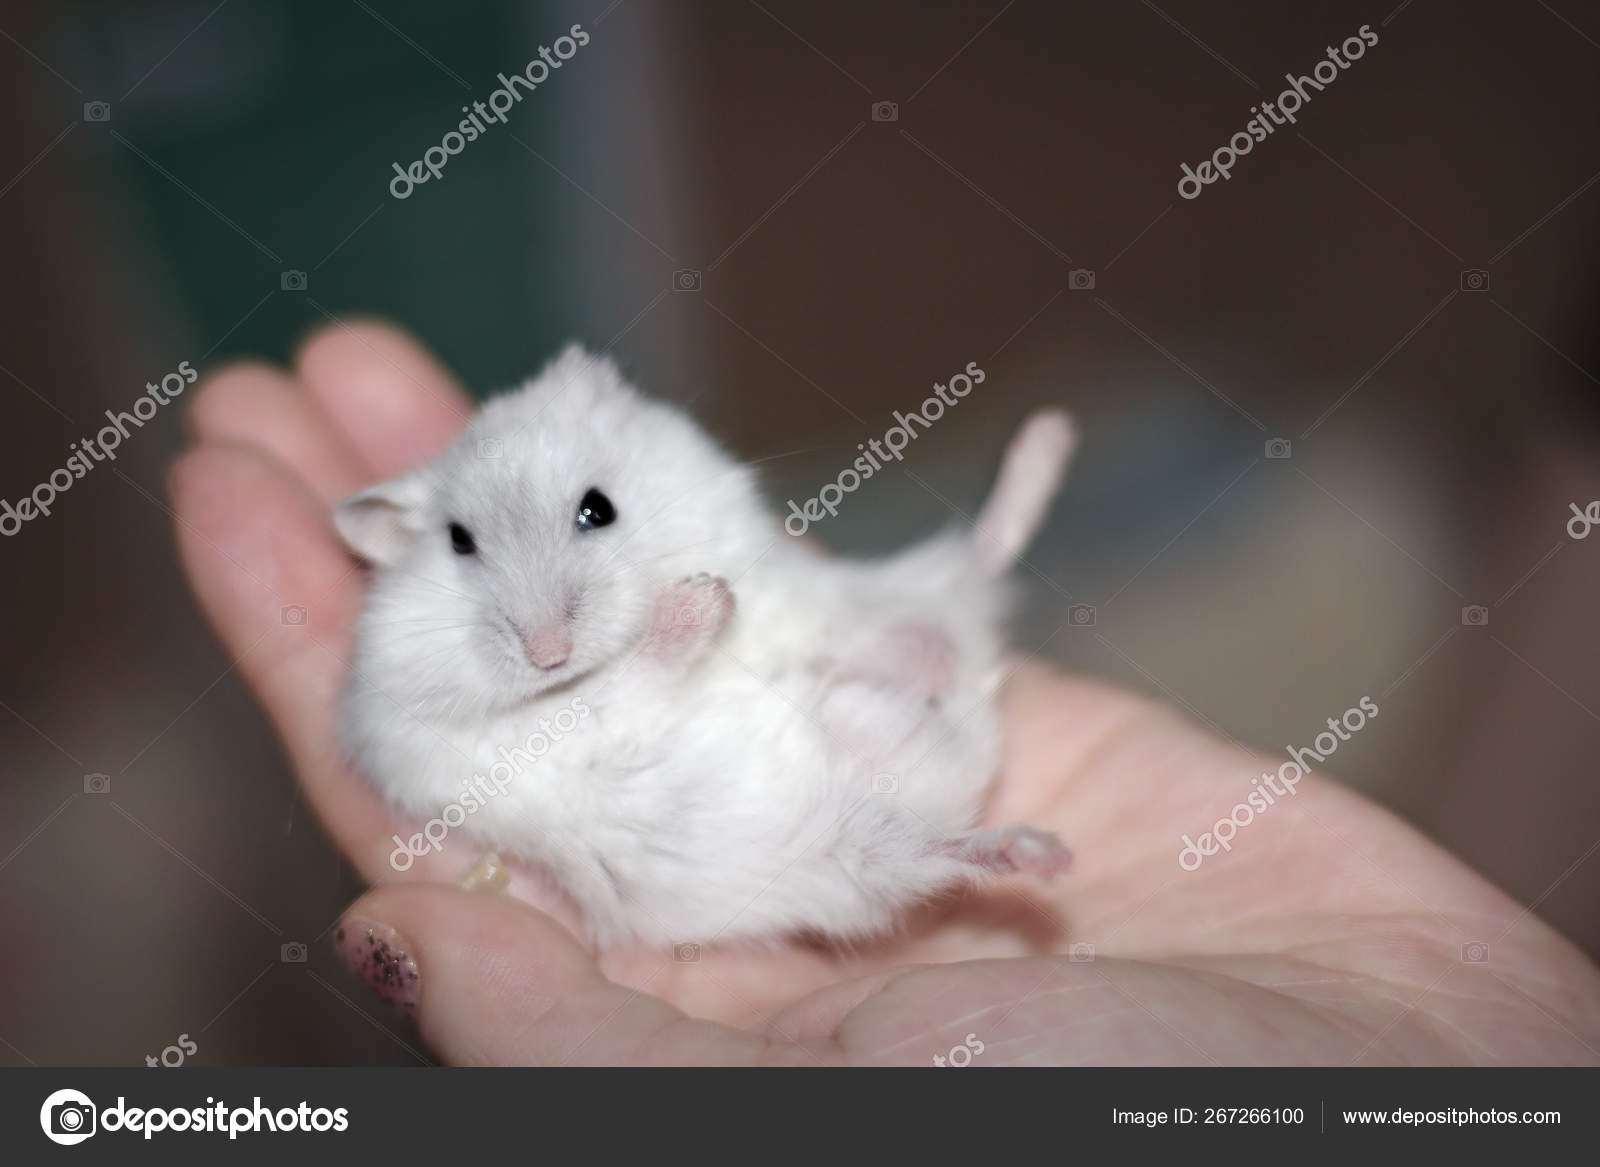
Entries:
{"x":1331,"y":933}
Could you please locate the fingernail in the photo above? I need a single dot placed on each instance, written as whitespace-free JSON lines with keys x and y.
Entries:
{"x":487,"y":874}
{"x":379,"y":956}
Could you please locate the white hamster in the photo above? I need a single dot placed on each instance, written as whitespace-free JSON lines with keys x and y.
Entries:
{"x":589,"y":644}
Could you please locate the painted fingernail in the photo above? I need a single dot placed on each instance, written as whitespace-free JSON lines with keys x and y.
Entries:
{"x":379,"y":956}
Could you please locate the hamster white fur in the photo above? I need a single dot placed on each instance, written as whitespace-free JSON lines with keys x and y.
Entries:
{"x":759,"y":739}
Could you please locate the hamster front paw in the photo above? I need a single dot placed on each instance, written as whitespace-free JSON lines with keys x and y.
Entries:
{"x":689,"y":614}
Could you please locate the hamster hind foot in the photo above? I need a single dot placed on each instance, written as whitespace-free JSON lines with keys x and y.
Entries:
{"x":1010,"y":850}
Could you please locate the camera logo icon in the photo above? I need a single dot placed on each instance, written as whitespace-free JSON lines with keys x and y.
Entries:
{"x":292,"y":280}
{"x":1080,"y":279}
{"x":490,"y":448}
{"x":1081,"y":953}
{"x":293,"y":952}
{"x":885,"y":111}
{"x":68,"y":1117}
{"x":1081,"y":615}
{"x":1474,"y":279}
{"x":294,"y":615}
{"x":885,"y":784}
{"x":686,"y":279}
{"x":1475,"y":616}
{"x":1475,"y":952}
{"x":1278,"y":447}
{"x":97,"y":783}
{"x":686,"y":953}
{"x":97,"y":111}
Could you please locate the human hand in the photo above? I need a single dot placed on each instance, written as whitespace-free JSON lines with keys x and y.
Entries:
{"x":1330,"y":933}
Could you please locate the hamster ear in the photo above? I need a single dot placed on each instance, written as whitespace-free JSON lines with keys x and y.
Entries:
{"x":381,"y":522}
{"x":593,"y":371}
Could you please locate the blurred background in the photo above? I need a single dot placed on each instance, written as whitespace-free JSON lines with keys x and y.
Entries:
{"x":1321,"y":459}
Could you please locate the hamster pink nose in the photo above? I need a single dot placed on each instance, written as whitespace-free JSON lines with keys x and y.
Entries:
{"x":547,"y":647}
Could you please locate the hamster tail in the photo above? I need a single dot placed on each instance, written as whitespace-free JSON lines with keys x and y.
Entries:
{"x":1034,"y":464}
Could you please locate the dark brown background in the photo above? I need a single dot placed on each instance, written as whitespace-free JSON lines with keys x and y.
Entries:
{"x":1438,"y":435}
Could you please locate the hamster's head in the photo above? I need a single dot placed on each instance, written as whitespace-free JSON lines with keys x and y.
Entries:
{"x":532,"y":552}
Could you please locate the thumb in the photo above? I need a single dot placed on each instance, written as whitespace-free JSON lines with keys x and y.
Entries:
{"x":491,"y":981}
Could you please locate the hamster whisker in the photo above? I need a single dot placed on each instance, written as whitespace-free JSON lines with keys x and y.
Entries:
{"x":447,"y":650}
{"x":438,"y":681}
{"x":632,"y":563}
{"x":442,"y":587}
{"x":432,"y":625}
{"x":785,"y":454}
{"x":440,"y":624}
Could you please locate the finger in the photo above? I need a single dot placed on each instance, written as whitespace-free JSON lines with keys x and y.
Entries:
{"x":491,"y":981}
{"x":388,"y":398}
{"x":253,"y":404}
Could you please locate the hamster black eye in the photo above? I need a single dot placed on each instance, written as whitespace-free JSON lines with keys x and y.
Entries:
{"x":595,"y":511}
{"x":461,"y":540}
